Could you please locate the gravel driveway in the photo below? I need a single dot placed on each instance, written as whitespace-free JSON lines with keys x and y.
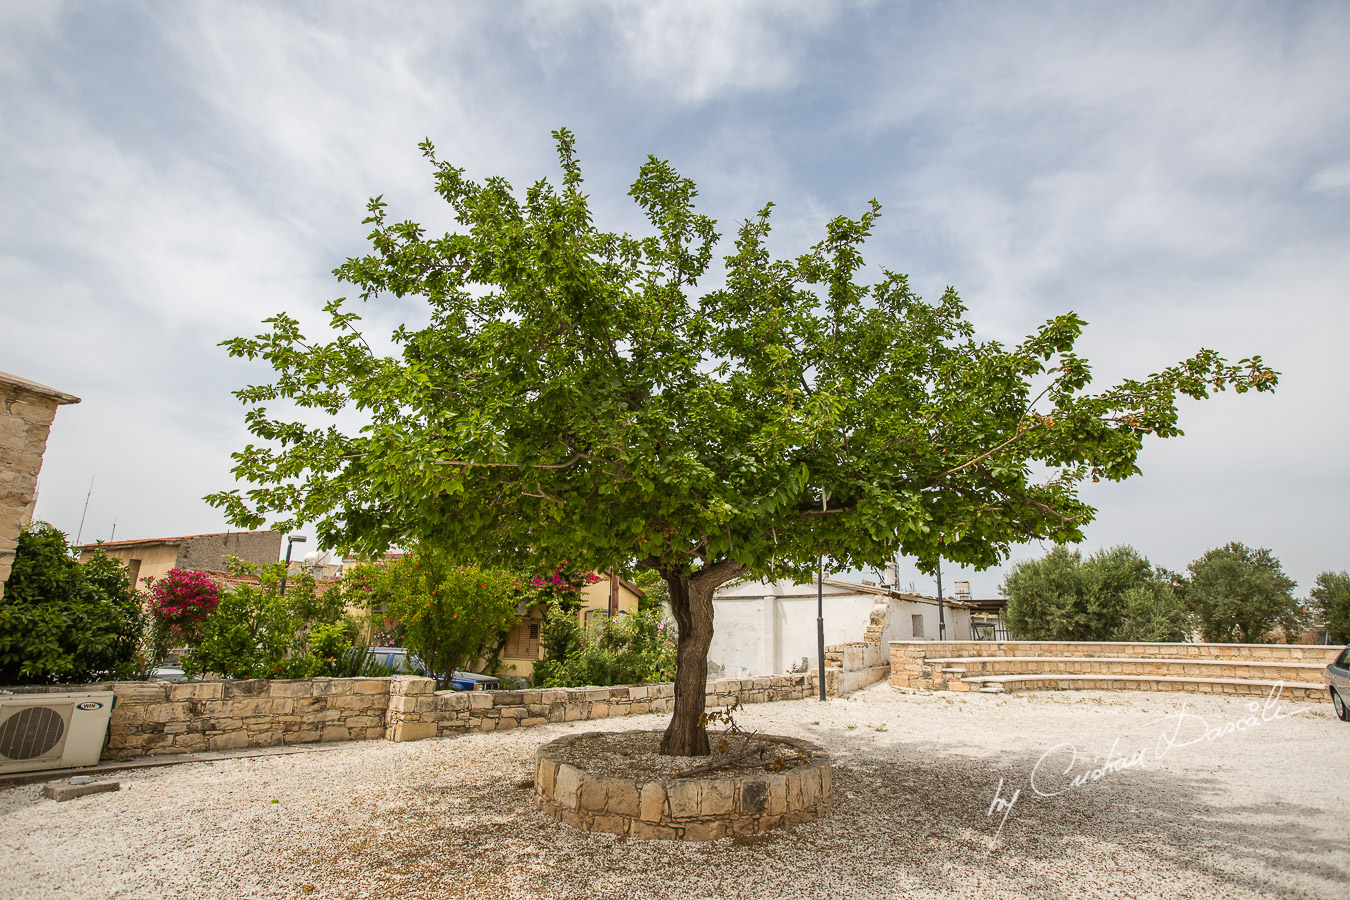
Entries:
{"x":1217,"y":800}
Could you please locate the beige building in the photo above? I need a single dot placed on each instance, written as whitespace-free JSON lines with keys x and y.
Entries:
{"x":609,"y":596}
{"x":26,"y":412}
{"x":154,"y":557}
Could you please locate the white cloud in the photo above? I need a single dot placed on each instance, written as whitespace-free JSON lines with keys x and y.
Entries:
{"x":698,"y":50}
{"x":1331,"y":180}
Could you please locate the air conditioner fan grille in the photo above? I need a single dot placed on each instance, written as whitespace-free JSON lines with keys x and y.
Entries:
{"x":31,"y":732}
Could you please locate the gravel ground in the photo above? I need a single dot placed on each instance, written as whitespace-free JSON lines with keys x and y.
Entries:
{"x":1254,"y":809}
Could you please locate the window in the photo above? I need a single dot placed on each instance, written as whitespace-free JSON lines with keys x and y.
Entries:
{"x":134,"y":571}
{"x":522,"y":641}
{"x":916,"y":622}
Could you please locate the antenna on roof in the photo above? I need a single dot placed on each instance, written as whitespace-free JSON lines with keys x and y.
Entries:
{"x":86,"y":509}
{"x":114,"y":531}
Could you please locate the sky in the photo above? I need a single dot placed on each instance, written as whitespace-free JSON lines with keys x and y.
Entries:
{"x":1177,"y":174}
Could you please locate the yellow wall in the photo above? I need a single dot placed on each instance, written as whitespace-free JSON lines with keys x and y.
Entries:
{"x":593,"y":597}
{"x":155,"y":560}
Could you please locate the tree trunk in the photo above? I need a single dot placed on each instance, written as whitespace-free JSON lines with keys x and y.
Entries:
{"x":691,"y":602}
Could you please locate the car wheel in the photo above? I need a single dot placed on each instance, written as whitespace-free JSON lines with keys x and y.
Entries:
{"x":1342,"y":711}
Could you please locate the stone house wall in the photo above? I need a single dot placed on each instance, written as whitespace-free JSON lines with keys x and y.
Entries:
{"x":26,"y":412}
{"x":207,"y":552}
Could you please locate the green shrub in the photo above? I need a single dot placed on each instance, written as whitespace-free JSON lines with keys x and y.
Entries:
{"x":452,"y":616}
{"x":64,"y":622}
{"x":631,"y":649}
{"x":256,"y":632}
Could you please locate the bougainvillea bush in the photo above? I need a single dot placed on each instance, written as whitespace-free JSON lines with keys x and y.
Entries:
{"x":181,"y":599}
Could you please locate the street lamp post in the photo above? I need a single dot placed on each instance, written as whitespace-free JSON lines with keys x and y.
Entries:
{"x":290,"y":540}
{"x":942,"y":619}
{"x":820,"y":607}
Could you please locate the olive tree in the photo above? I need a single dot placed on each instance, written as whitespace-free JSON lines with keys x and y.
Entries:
{"x":575,"y":395}
{"x":1241,"y":594}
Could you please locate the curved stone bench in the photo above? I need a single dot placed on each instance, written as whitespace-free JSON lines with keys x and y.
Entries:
{"x":702,"y":808}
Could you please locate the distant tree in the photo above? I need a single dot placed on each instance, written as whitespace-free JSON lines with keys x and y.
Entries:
{"x":1332,"y":597}
{"x":1113,"y":595}
{"x":574,"y":395}
{"x":63,"y":621}
{"x":1241,"y":595}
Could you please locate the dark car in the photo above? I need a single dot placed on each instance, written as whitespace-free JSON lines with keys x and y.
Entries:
{"x":1338,"y":683}
{"x":403,"y":663}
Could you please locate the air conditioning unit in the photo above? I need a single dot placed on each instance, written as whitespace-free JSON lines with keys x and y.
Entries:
{"x":52,"y":731}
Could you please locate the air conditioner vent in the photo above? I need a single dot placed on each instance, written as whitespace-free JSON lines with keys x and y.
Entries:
{"x":31,"y":732}
{"x":52,"y":729}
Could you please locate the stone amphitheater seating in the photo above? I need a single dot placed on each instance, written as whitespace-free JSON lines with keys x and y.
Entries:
{"x":1003,"y":666}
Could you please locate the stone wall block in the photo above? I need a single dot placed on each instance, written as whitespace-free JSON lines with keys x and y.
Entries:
{"x":412,"y":684}
{"x":196,"y":691}
{"x":567,"y":785}
{"x":292,"y":688}
{"x":652,"y":803}
{"x":683,"y":799}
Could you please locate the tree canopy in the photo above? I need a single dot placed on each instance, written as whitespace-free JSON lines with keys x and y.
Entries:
{"x":575,"y":396}
{"x":1113,"y":595}
{"x":1332,"y":596}
{"x":1241,"y":595}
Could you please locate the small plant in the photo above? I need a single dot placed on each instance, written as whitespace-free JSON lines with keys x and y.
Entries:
{"x":741,"y":749}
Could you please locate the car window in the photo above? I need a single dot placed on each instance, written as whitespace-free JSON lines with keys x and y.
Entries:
{"x":1344,"y":661}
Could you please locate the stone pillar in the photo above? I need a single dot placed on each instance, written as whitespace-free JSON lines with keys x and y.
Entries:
{"x":26,"y":411}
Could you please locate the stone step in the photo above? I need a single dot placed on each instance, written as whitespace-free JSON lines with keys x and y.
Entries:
{"x":1298,"y":690}
{"x":1322,"y":654}
{"x":1268,"y":670}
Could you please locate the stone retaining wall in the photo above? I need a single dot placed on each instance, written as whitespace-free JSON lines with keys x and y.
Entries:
{"x":723,"y":804}
{"x":851,"y":667}
{"x":418,"y":711}
{"x":912,"y":661}
{"x":159,"y":718}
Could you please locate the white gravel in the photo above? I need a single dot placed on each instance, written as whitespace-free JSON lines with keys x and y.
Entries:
{"x":1259,"y":812}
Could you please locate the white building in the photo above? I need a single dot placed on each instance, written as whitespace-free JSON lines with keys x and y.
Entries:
{"x":767,"y":628}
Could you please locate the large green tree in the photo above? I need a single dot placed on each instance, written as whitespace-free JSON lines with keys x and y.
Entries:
{"x":1332,"y":596}
{"x":574,"y":395}
{"x":1113,"y":595}
{"x":64,"y":622}
{"x":1241,"y":595}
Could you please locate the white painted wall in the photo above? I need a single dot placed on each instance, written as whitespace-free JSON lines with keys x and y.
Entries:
{"x":762,"y":628}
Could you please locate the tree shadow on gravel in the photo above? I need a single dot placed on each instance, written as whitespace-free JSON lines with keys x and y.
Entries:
{"x":909,"y":820}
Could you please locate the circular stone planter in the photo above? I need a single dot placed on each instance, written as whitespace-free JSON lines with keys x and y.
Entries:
{"x":699,"y":808}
